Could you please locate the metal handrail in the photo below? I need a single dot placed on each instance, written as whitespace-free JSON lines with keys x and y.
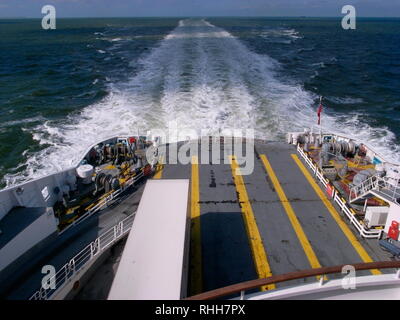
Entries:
{"x":361,"y":189}
{"x":375,"y":183}
{"x":86,"y":255}
{"x":257,"y":283}
{"x":389,"y":189}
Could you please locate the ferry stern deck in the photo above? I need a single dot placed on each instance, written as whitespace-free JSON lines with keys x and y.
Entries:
{"x":273,"y":221}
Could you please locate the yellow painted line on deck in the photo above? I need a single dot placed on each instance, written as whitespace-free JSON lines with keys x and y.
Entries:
{"x":160,"y":168}
{"x":196,"y":272}
{"x":335,"y":215}
{"x":312,"y":258}
{"x":257,"y":248}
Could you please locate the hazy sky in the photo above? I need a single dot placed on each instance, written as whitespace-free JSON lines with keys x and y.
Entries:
{"x":116,"y":8}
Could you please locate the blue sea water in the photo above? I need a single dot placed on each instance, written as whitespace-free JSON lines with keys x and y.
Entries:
{"x":62,"y":90}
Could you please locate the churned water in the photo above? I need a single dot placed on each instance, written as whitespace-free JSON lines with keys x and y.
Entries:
{"x":65,"y":89}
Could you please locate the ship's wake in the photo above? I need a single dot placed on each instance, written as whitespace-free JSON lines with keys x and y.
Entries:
{"x":202,"y":77}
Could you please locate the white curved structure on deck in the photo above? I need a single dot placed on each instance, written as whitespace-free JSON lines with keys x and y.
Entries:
{"x":374,"y":287}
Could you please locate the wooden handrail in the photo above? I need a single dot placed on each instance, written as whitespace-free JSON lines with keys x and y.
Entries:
{"x":247,"y":285}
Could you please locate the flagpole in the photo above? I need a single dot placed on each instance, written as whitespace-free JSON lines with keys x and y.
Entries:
{"x":320,"y":122}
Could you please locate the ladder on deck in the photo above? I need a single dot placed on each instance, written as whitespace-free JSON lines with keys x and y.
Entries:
{"x":376,"y":186}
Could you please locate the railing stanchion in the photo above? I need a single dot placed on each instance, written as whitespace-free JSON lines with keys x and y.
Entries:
{"x":321,"y":281}
{"x":89,"y":252}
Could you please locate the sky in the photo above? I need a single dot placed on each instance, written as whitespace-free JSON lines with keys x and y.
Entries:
{"x":142,"y":8}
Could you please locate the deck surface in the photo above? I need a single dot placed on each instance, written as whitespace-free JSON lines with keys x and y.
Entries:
{"x":271,"y":221}
{"x":226,"y":252}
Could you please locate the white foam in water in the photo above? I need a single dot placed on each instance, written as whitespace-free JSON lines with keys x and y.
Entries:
{"x":202,"y":77}
{"x":21,"y":122}
{"x":279,"y":35}
{"x":345,"y":100}
{"x":319,"y":64}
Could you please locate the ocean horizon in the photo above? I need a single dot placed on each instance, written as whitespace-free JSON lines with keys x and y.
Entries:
{"x":65,"y":89}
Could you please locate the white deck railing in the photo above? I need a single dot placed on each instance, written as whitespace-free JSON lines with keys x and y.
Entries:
{"x":92,"y":251}
{"x":387,"y":190}
{"x":363,"y":231}
{"x":363,"y":188}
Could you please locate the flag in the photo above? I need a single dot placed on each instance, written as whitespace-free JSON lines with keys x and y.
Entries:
{"x":319,"y":113}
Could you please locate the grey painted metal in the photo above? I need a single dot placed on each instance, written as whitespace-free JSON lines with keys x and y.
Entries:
{"x":284,"y":251}
{"x":326,"y":238}
{"x":17,"y":220}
